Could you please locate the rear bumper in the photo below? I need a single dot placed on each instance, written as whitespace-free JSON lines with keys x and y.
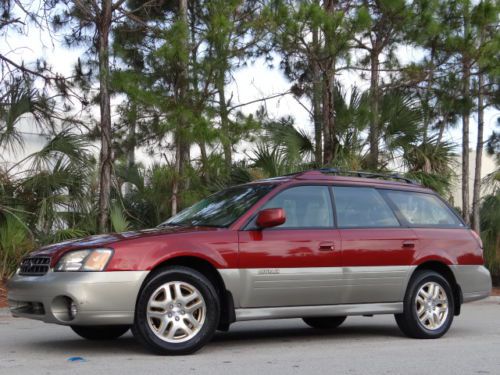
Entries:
{"x":474,"y":281}
{"x":101,"y":298}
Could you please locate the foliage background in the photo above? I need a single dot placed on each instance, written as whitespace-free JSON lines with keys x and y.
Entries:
{"x":167,"y":66}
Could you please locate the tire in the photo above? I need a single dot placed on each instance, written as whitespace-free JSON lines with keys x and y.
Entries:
{"x":432,"y":317}
{"x":100,"y":332}
{"x":177,"y":312}
{"x":327,"y":322}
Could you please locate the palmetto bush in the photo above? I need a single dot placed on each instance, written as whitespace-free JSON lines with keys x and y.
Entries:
{"x":15,"y":243}
{"x":490,"y":223}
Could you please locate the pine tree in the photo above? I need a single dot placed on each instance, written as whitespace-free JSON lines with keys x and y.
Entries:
{"x":91,"y":25}
{"x":313,"y":39}
{"x":486,"y":28}
{"x":385,"y":23}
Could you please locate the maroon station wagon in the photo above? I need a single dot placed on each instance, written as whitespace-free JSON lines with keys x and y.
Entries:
{"x":318,"y":245}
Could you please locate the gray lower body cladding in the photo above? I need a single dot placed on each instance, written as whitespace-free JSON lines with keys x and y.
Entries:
{"x":101,"y":298}
{"x":474,"y":281}
{"x":319,"y":286}
{"x":104,"y":298}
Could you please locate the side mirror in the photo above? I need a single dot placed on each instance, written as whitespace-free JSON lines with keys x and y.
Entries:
{"x":271,"y":217}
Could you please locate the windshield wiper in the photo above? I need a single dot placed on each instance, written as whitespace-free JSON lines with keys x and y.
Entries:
{"x":210,"y":225}
{"x":163,"y":225}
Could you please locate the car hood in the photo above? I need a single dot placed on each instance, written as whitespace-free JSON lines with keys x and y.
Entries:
{"x":103,"y":240}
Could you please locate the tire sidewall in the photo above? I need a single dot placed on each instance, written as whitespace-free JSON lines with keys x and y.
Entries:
{"x":210,"y":296}
{"x":410,"y":309}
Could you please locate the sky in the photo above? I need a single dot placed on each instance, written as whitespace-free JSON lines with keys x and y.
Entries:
{"x":254,"y":81}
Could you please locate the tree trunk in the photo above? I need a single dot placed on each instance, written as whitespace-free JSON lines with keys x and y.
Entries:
{"x":224,"y":122}
{"x":328,"y":120}
{"x":131,"y":142}
{"x":465,"y":143}
{"x":374,"y":103}
{"x":175,"y":182}
{"x":106,"y":156}
{"x":427,"y":97}
{"x":316,"y":102}
{"x":204,"y":162}
{"x":182,"y":145}
{"x":442,"y":126}
{"x":328,"y":100}
{"x":476,"y":197}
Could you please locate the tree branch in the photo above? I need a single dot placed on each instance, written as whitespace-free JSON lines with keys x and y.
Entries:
{"x":259,"y":100}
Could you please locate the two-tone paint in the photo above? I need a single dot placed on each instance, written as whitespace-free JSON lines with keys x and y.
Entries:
{"x":267,"y":273}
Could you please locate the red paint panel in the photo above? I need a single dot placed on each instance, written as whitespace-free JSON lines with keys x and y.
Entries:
{"x":451,"y":246}
{"x":219,"y":247}
{"x":289,"y":248}
{"x":378,"y":247}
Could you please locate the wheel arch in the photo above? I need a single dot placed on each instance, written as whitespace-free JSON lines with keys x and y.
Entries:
{"x":210,"y":272}
{"x":445,"y":271}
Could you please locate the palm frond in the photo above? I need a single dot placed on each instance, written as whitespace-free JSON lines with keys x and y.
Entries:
{"x":119,"y":221}
{"x":22,"y":100}
{"x":15,"y":243}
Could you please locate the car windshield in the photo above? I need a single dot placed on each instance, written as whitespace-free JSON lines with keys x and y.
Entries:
{"x":220,"y":209}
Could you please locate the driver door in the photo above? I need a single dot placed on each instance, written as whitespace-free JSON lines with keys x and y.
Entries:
{"x":296,"y":263}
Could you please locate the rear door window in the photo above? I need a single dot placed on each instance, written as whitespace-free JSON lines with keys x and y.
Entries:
{"x":362,"y":207}
{"x":422,"y":209}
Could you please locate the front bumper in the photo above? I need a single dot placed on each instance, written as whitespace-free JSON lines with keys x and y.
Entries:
{"x":101,"y":298}
{"x":474,"y":281}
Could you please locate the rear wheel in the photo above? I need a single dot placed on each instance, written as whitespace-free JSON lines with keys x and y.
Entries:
{"x":428,"y":307}
{"x":100,"y":332}
{"x":327,"y":322}
{"x":177,"y":311}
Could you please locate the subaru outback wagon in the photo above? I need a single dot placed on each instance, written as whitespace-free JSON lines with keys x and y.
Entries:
{"x":318,"y":245}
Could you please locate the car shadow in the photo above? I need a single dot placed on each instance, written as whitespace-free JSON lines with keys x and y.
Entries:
{"x":239,"y":336}
{"x":289,"y":334}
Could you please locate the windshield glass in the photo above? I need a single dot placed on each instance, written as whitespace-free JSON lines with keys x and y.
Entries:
{"x":220,"y":209}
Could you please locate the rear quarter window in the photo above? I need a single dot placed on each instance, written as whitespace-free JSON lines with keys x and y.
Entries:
{"x":423,"y":209}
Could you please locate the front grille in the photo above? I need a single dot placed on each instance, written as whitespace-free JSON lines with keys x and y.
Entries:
{"x":35,"y":266}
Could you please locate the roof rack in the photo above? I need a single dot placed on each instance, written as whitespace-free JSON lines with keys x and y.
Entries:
{"x":364,"y":174}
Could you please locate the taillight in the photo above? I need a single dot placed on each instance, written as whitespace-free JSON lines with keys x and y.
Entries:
{"x":478,"y":239}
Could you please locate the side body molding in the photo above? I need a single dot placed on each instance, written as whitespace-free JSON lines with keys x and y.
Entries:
{"x":293,"y":292}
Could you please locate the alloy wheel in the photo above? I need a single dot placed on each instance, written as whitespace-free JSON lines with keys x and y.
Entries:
{"x":431,"y":304}
{"x":176,"y":312}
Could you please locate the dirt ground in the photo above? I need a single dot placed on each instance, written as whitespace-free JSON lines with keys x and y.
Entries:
{"x":3,"y":295}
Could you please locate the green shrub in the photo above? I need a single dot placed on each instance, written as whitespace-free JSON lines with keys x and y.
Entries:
{"x":15,"y":243}
{"x":490,"y":232}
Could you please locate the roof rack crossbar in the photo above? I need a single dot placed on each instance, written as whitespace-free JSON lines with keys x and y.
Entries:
{"x":394,"y":176}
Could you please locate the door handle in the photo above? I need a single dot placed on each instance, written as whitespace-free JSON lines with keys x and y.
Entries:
{"x":408,"y":244}
{"x":327,"y":246}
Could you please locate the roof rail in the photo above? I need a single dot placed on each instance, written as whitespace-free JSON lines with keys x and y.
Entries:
{"x":340,"y":172}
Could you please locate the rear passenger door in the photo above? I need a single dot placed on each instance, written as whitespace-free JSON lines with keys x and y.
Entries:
{"x":377,"y":248}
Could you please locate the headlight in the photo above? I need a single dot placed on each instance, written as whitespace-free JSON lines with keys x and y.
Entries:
{"x":84,"y":260}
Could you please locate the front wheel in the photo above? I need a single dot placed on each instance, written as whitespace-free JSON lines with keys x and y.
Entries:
{"x":100,"y":332}
{"x":329,"y":322}
{"x":428,"y":307}
{"x":177,"y":311}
